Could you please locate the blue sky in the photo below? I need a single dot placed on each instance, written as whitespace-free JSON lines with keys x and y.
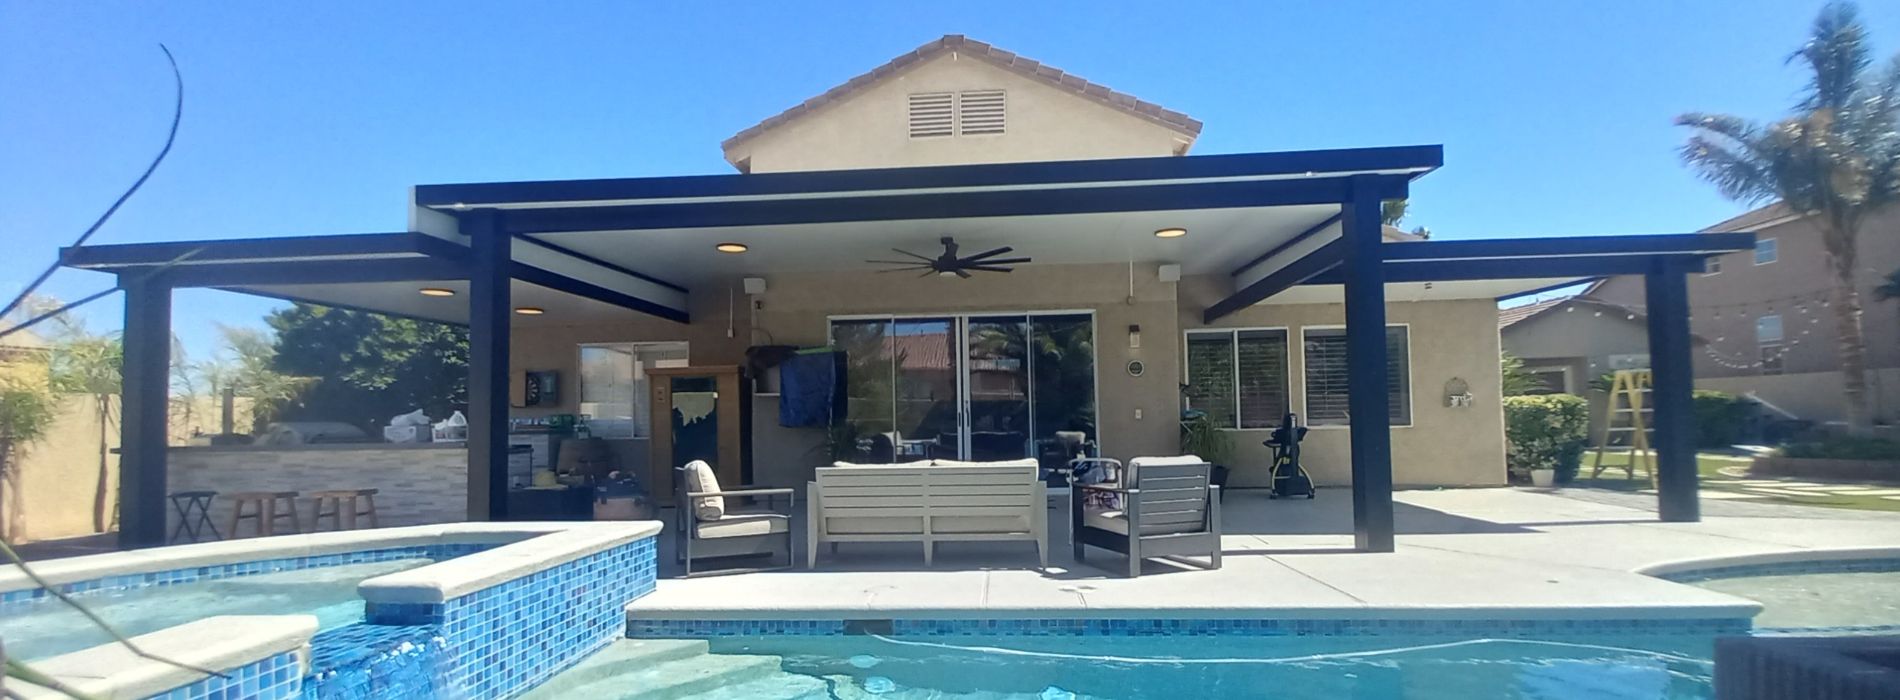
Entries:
{"x":309,"y":118}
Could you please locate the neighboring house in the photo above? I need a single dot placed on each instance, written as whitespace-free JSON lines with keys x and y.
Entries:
{"x":1768,"y":322}
{"x":1569,"y":342}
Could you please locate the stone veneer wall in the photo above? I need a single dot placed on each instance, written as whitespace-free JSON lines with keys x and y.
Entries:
{"x":417,"y":485}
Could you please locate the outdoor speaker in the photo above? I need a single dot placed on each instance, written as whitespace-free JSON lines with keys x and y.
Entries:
{"x":755,"y":285}
{"x":1170,"y":273}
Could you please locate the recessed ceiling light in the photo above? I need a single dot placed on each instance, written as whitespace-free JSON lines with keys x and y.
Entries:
{"x":731,"y":248}
{"x":530,"y":310}
{"x":436,"y":292}
{"x":1171,"y":232}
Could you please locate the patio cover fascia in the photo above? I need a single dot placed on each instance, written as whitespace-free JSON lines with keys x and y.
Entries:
{"x":1580,"y":258}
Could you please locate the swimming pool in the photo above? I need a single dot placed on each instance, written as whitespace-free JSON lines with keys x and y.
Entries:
{"x":1841,"y":595}
{"x":48,"y":627}
{"x":1298,"y":668}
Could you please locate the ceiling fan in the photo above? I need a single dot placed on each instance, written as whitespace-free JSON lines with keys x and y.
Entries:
{"x":949,"y":264}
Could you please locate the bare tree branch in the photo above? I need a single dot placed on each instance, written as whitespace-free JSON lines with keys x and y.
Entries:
{"x":178,"y":111}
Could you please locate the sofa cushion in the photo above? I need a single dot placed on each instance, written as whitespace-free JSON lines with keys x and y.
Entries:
{"x":743,"y":525}
{"x":1025,"y":462}
{"x":700,"y":478}
{"x":918,"y":463}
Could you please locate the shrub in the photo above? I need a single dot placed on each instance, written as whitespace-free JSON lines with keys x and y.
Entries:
{"x":1845,"y":447}
{"x":1546,"y":432}
{"x":1721,"y":419}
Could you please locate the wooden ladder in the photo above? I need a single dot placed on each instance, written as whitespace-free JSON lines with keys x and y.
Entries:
{"x":1628,"y":418}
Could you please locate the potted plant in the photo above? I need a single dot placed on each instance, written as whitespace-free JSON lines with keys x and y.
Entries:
{"x":1202,"y":438}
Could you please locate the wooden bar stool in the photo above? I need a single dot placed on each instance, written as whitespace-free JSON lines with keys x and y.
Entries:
{"x":264,"y":512}
{"x":345,"y":506}
{"x":194,"y":515}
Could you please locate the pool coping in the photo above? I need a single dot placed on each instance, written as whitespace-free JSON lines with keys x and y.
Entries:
{"x":224,"y":552}
{"x":222,"y":642}
{"x":443,"y":581}
{"x":1681,"y":567}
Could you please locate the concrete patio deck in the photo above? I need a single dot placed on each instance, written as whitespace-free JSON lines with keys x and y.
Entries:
{"x":1498,"y":553}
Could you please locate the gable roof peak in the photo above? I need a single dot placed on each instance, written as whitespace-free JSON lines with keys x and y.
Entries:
{"x":1008,"y":60}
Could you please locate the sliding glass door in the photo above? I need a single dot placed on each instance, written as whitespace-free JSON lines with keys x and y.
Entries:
{"x":980,"y":387}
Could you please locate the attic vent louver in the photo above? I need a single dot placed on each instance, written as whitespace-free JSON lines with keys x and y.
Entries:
{"x":932,"y":114}
{"x":980,"y":112}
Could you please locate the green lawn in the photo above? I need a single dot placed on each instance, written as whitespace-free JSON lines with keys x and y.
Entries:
{"x":1712,"y":468}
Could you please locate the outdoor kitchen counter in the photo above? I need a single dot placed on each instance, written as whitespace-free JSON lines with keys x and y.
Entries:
{"x":416,"y":483}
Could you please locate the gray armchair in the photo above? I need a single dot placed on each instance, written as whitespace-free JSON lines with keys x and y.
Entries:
{"x":706,"y":528}
{"x":1161,"y":507}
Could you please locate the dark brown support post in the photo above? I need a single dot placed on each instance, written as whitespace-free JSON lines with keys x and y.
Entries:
{"x":145,"y":392}
{"x":489,"y":306}
{"x":1368,"y":398}
{"x":1666,"y":287}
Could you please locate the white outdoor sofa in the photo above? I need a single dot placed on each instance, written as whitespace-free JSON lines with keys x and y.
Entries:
{"x":928,"y":502}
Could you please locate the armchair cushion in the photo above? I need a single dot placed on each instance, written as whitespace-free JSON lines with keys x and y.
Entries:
{"x":700,"y":477}
{"x":1117,"y":522}
{"x":1131,"y":478}
{"x":743,"y":525}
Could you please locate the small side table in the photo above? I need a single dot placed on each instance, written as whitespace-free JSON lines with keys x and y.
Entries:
{"x":194,"y":515}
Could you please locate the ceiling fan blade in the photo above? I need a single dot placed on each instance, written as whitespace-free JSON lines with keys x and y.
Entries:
{"x":1003,"y":261}
{"x":989,"y":268}
{"x":905,"y":269}
{"x":914,"y":255}
{"x":963,"y":274}
{"x":988,"y":253}
{"x":894,"y":262}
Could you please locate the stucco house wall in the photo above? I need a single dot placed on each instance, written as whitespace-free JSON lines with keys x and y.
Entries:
{"x":1725,"y":307}
{"x":870,"y":129}
{"x":1137,"y":415}
{"x":1444,"y":446}
{"x":1581,"y":337}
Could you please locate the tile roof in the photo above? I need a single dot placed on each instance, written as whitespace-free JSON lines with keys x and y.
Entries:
{"x":1507,"y":317}
{"x":995,"y":56}
{"x":1760,"y":216}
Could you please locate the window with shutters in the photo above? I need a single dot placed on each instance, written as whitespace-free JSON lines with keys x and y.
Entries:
{"x":967,"y":113}
{"x":1239,"y":377}
{"x":1326,"y":373}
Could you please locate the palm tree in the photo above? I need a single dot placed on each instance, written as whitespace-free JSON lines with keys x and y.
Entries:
{"x":1889,"y":289}
{"x":89,"y":364}
{"x":1836,"y":159}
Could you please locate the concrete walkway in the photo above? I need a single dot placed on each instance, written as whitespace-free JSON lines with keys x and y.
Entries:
{"x":1491,"y":553}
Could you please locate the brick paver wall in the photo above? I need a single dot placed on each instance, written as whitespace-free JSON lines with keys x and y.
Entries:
{"x":416,"y":485}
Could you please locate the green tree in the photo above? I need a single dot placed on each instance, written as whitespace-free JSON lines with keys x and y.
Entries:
{"x":28,"y":407}
{"x":83,"y":362}
{"x":1392,"y":211}
{"x":1517,"y":381}
{"x":249,"y":368}
{"x":1834,"y":160}
{"x":372,"y":367}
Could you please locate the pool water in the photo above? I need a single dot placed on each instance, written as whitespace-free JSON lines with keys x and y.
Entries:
{"x":1846,"y":599}
{"x":51,"y":628}
{"x":1295,"y":668}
